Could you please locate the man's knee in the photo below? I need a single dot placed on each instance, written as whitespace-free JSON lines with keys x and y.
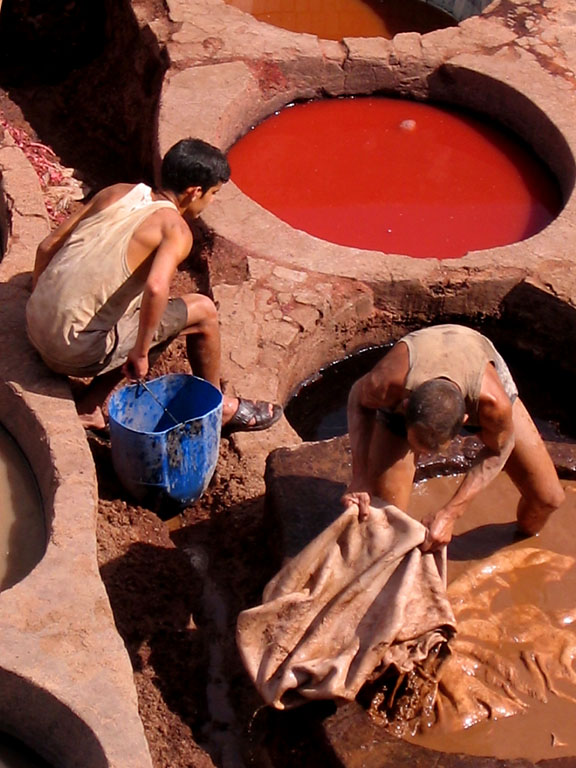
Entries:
{"x":202,"y":312}
{"x":550,"y":498}
{"x":533,"y":513}
{"x":554,"y":497}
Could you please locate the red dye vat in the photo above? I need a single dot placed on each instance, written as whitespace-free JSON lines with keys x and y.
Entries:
{"x":395,"y":176}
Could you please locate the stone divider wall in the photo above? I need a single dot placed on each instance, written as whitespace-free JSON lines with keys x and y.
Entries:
{"x":66,"y":686}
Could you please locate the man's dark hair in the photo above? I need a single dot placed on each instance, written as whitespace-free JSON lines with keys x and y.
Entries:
{"x":436,"y":410}
{"x":193,"y":163}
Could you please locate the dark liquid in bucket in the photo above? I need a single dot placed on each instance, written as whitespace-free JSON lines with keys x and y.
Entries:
{"x":336,"y":19}
{"x":395,"y":176}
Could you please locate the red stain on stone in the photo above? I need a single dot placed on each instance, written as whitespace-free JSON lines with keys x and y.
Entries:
{"x":212,"y":44}
{"x":270,"y":77}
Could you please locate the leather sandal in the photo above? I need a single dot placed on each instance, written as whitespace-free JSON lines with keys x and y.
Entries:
{"x":252,"y":416}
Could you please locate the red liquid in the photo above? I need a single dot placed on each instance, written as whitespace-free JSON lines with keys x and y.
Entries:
{"x":336,"y":19}
{"x":353,"y":172}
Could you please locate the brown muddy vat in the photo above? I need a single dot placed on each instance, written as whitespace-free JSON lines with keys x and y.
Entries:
{"x":316,"y":473}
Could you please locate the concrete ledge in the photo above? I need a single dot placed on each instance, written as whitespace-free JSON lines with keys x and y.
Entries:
{"x":66,"y":686}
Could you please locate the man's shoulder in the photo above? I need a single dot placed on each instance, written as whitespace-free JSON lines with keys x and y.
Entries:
{"x":165,"y":226}
{"x":396,"y":363}
{"x":110,"y":195}
{"x":493,"y":402}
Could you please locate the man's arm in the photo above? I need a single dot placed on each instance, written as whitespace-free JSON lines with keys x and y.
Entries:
{"x":368,"y":394}
{"x":360,"y":429}
{"x":497,"y":434}
{"x":174,"y":247}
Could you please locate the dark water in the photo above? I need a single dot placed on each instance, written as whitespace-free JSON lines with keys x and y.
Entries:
{"x":317,"y":410}
{"x":14,"y":754}
{"x":22,"y":522}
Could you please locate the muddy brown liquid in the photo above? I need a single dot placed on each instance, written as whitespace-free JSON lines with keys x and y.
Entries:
{"x":22,"y":525}
{"x":509,"y":688}
{"x":336,"y":19}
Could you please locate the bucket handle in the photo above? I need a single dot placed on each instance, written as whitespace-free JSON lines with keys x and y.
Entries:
{"x":143,"y":384}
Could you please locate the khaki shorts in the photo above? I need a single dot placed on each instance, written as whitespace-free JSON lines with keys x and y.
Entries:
{"x":124,"y":334}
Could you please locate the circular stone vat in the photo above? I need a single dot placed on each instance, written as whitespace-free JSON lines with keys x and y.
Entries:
{"x":396,"y":176}
{"x":317,"y":409}
{"x":22,"y":523}
{"x":14,"y":754}
{"x":348,"y":18}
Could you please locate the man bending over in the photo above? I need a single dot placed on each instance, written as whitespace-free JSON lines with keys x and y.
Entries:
{"x":100,"y":306}
{"x":417,"y":398}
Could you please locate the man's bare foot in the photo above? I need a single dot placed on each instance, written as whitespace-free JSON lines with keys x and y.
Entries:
{"x":93,"y":420}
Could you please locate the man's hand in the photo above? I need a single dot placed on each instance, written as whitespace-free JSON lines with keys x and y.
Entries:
{"x":361,"y":500}
{"x":136,"y":366}
{"x":440,"y":526}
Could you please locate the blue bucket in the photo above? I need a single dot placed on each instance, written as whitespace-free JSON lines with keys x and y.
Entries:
{"x":153,"y":456}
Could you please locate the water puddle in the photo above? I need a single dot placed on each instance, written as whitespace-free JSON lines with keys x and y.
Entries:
{"x":336,"y":19}
{"x":395,"y":176}
{"x":22,"y":525}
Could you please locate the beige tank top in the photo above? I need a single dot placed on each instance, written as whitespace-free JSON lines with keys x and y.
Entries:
{"x":88,"y":287}
{"x":452,"y":352}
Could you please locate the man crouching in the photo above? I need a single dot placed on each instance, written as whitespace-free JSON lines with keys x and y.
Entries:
{"x":100,"y":304}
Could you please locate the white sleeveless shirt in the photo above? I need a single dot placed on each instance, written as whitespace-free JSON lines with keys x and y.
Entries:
{"x":87,"y":286}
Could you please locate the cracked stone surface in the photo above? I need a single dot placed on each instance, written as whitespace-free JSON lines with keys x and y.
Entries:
{"x":289,"y":303}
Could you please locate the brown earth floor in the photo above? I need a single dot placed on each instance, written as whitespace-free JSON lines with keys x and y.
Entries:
{"x":166,"y":609}
{"x":176,"y":582}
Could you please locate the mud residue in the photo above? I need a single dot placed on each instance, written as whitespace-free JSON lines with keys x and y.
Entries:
{"x":511,"y":657}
